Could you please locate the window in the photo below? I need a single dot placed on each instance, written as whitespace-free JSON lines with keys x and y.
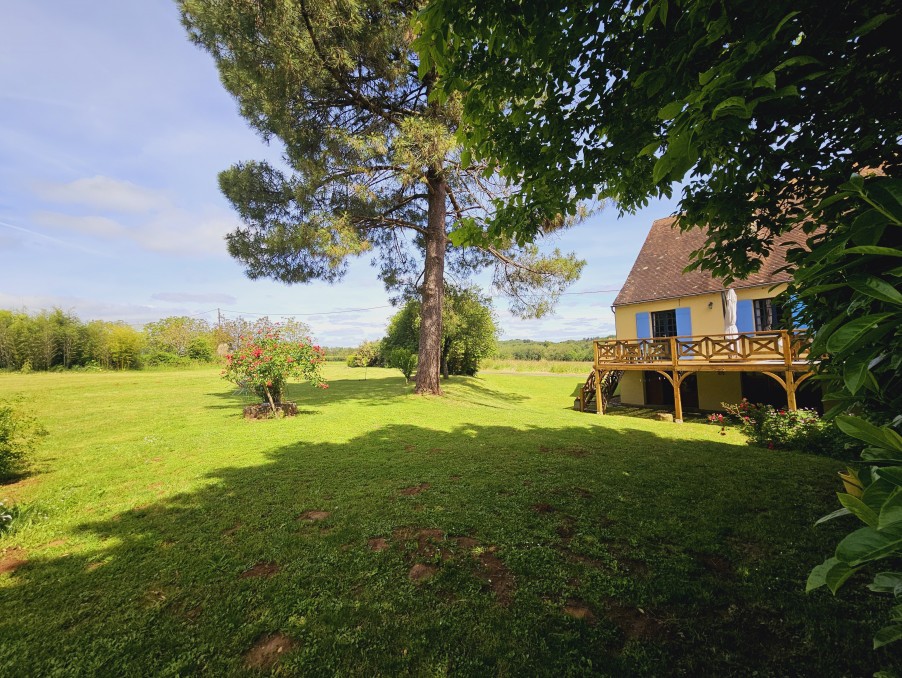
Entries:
{"x":767,"y":316}
{"x":664,"y":324}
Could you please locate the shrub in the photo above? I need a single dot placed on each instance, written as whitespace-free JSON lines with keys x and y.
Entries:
{"x":781,"y":429}
{"x":16,"y":516}
{"x":19,"y":435}
{"x":368,"y":354}
{"x":264,"y":361}
{"x":404,"y":360}
{"x":872,"y":496}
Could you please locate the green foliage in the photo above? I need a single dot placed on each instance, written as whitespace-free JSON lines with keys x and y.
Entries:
{"x":846,"y":286}
{"x":575,"y":350}
{"x":265,"y":360}
{"x":402,"y":359}
{"x":19,"y":435}
{"x":469,"y":332}
{"x":368,"y":354}
{"x":15,"y":517}
{"x":782,"y":429}
{"x":177,"y":334}
{"x":874,"y":498}
{"x":754,"y":107}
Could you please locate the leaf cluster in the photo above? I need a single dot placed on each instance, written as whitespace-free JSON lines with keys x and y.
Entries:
{"x":754,"y":107}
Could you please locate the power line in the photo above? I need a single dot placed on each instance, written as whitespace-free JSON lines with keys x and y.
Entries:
{"x":613,"y":289}
{"x":359,"y":310}
{"x":347,"y":310}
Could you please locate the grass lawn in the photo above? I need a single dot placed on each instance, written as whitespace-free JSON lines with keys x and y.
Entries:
{"x":490,"y":532}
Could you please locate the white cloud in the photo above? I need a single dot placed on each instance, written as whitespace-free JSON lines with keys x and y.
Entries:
{"x":104,"y":193}
{"x":140,"y":215}
{"x":179,"y":231}
{"x":182,"y":297}
{"x":86,"y":225}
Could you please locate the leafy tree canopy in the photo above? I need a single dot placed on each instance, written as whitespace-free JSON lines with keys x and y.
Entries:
{"x":756,"y":107}
{"x":469,"y":333}
{"x":371,"y":164}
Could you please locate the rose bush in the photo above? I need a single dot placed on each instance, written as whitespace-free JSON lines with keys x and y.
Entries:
{"x":264,"y":361}
{"x":782,"y":429}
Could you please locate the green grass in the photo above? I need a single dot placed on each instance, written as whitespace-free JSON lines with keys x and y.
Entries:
{"x":152,"y":501}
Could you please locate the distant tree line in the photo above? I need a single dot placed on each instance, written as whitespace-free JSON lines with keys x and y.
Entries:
{"x":58,"y":340}
{"x":527,"y":349}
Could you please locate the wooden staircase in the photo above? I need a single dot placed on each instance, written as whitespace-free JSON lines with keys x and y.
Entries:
{"x":587,"y":393}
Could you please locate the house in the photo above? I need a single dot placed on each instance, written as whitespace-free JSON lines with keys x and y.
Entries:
{"x":675,"y":346}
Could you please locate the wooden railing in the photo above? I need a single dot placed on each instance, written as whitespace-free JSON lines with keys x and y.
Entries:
{"x":768,"y":348}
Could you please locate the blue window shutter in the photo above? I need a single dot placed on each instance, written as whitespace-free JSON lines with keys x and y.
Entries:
{"x":745,"y":316}
{"x":684,"y":322}
{"x":643,"y":325}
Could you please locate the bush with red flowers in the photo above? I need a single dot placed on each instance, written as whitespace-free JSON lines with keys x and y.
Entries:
{"x":264,"y":361}
{"x":782,"y":429}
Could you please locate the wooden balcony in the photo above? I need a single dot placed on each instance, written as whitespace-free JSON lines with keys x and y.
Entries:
{"x":781,"y":354}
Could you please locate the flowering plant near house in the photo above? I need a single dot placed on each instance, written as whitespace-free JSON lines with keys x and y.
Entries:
{"x":264,"y":361}
{"x":782,"y":429}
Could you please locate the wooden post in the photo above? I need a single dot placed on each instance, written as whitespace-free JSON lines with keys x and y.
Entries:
{"x":599,"y":405}
{"x":790,"y":391}
{"x":677,"y":399}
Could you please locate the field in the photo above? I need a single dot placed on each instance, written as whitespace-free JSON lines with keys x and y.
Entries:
{"x":489,"y":532}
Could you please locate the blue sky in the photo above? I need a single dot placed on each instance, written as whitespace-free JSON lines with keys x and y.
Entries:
{"x":113,"y":128}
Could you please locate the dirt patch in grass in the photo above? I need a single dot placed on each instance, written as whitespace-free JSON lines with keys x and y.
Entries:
{"x":467,"y":543}
{"x":748,"y":551}
{"x":264,"y":410}
{"x":432,"y":545}
{"x":570,"y":451}
{"x":415,"y":489}
{"x":421,"y":572}
{"x":12,"y":560}
{"x":228,"y":532}
{"x":430,"y":542}
{"x":634,"y":623}
{"x":579,"y":610}
{"x":262,"y":569}
{"x":496,"y":575}
{"x":543,"y":508}
{"x":567,"y":528}
{"x":377,"y":544}
{"x":314,"y":516}
{"x":267,"y":651}
{"x":454,"y":478}
{"x":715,"y":564}
{"x":54,"y":543}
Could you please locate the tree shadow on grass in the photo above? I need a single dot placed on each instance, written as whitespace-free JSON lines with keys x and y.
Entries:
{"x":621,"y":550}
{"x":379,"y":391}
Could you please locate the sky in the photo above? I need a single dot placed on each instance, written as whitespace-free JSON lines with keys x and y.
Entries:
{"x":113,"y":128}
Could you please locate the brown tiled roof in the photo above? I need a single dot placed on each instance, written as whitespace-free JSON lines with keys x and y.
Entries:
{"x":658,"y":271}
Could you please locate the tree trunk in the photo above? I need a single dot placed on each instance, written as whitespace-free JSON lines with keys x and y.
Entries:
{"x":430,"y":354}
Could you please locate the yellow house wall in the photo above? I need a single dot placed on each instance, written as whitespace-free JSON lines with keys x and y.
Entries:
{"x":704,"y":320}
{"x":632,"y":391}
{"x":713,"y":388}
